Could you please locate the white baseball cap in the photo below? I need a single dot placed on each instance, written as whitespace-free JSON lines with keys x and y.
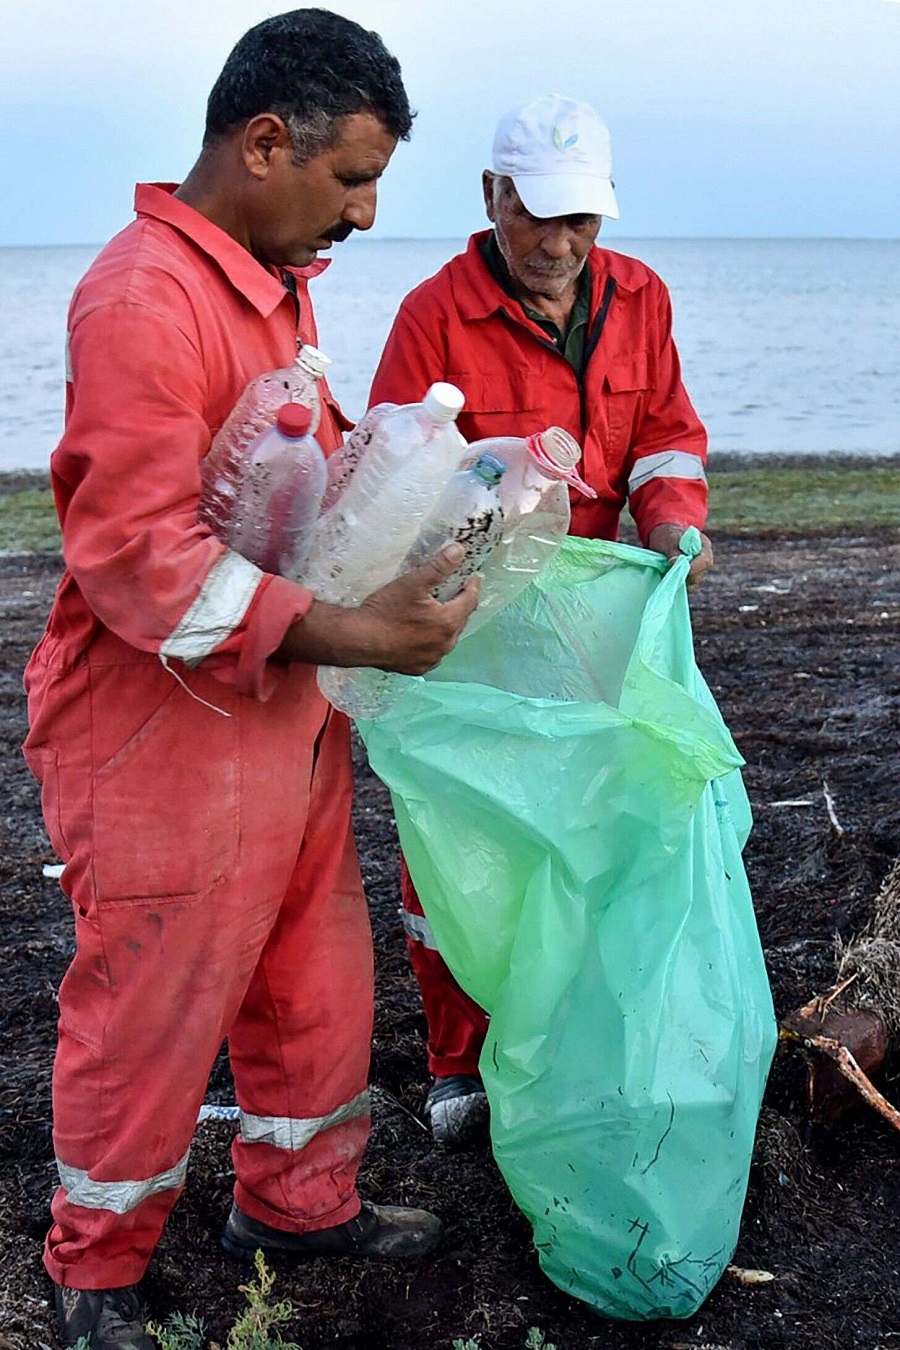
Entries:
{"x":557,"y":152}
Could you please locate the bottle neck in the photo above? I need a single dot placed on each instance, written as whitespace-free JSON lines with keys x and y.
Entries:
{"x":556,"y":458}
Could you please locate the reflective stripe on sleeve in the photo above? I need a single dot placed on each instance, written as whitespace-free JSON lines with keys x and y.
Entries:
{"x":119,"y":1197}
{"x":293,"y":1133}
{"x":665,"y":464}
{"x":68,"y":358}
{"x":417,"y":927}
{"x":223,"y":601}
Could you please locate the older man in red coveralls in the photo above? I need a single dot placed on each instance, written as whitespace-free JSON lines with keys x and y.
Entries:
{"x":539,"y":327}
{"x":194,"y":781}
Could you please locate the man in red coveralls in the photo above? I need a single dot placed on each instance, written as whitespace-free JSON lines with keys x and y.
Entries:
{"x":539,"y":327}
{"x":193,"y":779}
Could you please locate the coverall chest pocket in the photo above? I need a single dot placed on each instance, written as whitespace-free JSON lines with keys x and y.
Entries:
{"x":165,"y":802}
{"x":626,"y":385}
{"x":499,"y":403}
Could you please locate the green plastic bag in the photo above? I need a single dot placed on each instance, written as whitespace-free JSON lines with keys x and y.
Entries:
{"x":569,"y":803}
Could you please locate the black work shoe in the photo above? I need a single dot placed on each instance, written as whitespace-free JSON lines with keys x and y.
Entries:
{"x":457,"y":1110}
{"x":377,"y":1230}
{"x":108,"y":1319}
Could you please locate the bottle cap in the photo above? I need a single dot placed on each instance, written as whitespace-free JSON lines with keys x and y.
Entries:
{"x":489,"y":468}
{"x":313,"y":360}
{"x":443,"y":402}
{"x":556,"y":453}
{"x":293,"y":420}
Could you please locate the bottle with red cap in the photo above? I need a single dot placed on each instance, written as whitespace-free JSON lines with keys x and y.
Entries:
{"x":255,"y":411}
{"x":274,"y":513}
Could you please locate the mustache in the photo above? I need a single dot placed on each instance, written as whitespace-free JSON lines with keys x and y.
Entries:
{"x":552,"y":269}
{"x":338,"y":233}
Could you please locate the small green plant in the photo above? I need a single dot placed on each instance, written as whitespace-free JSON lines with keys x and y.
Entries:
{"x":473,"y":1343}
{"x":255,"y":1329}
{"x":179,"y":1333}
{"x":536,"y":1340}
{"x":252,"y":1329}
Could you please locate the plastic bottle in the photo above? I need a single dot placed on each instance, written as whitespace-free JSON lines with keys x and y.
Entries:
{"x":255,"y":410}
{"x":536,"y":512}
{"x":342,"y":464}
{"x":276,"y":510}
{"x":469,"y":513}
{"x":362,"y":540}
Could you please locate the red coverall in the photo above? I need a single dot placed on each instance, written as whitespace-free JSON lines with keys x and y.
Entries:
{"x":642,"y":440}
{"x":209,"y":858}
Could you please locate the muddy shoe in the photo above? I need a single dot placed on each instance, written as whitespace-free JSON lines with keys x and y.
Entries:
{"x":108,"y":1319}
{"x":377,"y":1230}
{"x":457,"y":1110}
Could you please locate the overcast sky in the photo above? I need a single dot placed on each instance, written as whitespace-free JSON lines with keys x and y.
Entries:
{"x":728,"y":117}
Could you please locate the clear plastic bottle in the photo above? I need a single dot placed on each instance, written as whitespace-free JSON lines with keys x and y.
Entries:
{"x":468,"y":513}
{"x":255,"y":410}
{"x":342,"y":464}
{"x":362,"y":540}
{"x":281,"y":489}
{"x":536,"y":511}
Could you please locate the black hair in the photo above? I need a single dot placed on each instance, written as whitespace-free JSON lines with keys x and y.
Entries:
{"x":310,"y":68}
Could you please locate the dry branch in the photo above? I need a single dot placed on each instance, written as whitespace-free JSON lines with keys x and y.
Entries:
{"x":847,"y":1066}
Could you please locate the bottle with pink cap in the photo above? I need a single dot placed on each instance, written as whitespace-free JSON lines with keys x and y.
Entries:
{"x":534,"y":496}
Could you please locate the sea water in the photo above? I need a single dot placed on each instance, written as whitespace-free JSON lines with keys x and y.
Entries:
{"x":787,"y":345}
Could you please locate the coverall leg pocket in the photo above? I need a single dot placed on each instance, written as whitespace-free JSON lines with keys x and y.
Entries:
{"x":166,"y":799}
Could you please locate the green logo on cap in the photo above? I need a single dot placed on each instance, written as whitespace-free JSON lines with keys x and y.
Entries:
{"x":563,"y":144}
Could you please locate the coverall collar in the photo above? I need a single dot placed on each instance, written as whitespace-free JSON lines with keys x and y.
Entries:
{"x":479,"y":295}
{"x":262,"y":287}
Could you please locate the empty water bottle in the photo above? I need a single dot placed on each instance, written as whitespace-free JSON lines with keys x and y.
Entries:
{"x":275,"y":512}
{"x":534,"y":494}
{"x":468,"y":513}
{"x":362,"y":540}
{"x":342,"y":464}
{"x":255,"y":410}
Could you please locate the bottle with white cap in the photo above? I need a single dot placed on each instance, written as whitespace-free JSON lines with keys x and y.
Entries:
{"x":255,"y":410}
{"x":281,"y":491}
{"x":363,"y":538}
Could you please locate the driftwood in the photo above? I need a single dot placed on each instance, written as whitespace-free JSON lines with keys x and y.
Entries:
{"x":846,"y":1066}
{"x":847,"y":1037}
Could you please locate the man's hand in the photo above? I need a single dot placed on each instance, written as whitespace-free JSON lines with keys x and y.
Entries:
{"x":664,"y":539}
{"x":400,"y":627}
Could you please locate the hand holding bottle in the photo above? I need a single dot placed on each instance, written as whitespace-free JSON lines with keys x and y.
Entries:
{"x":400,"y":627}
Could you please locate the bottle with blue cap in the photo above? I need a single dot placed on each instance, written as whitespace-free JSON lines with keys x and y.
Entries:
{"x":469,"y":512}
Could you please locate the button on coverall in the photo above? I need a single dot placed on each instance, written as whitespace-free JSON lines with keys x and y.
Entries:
{"x":642,"y":441}
{"x":209,"y":857}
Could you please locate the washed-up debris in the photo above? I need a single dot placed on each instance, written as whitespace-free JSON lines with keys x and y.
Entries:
{"x":215,"y":1111}
{"x":848,"y":1034}
{"x":53,"y":870}
{"x":837,"y":828}
{"x":749,"y":1277}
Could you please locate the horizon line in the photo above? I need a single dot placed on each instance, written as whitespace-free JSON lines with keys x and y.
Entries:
{"x":649,"y":238}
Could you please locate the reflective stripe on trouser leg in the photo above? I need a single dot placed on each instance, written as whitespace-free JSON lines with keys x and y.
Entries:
{"x":300,"y":1043}
{"x":456,"y":1025}
{"x":159,"y":977}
